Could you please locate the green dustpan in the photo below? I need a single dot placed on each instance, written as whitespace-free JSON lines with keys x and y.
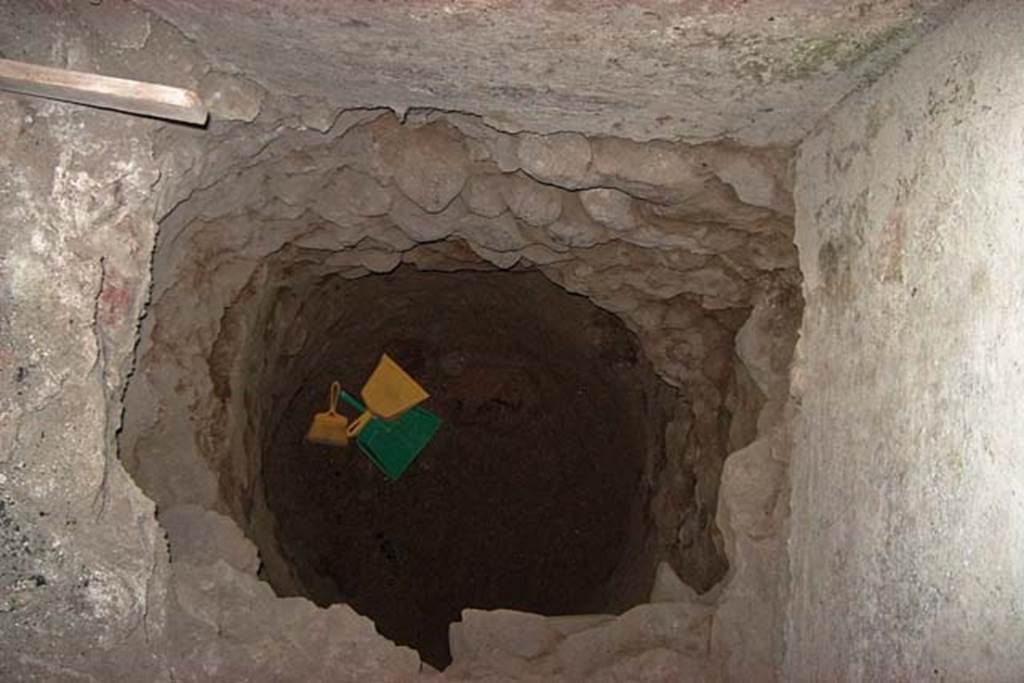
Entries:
{"x":392,"y":445}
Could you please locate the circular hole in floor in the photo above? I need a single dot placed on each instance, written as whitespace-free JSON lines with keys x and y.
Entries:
{"x":534,"y":493}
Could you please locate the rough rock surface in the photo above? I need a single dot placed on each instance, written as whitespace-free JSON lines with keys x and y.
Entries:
{"x":84,"y":562}
{"x":905,"y":544}
{"x":705,"y":237}
{"x":86,"y":591}
{"x":668,"y":587}
{"x":199,"y":536}
{"x":682,"y":263}
{"x":672,"y":279}
{"x":760,"y":73}
{"x":908,"y":519}
{"x":649,"y":642}
{"x":228,"y":625}
{"x":230,"y":97}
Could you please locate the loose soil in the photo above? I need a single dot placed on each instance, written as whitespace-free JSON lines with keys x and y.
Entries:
{"x":528,"y":495}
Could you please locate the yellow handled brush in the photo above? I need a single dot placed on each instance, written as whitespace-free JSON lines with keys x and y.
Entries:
{"x":330,"y":428}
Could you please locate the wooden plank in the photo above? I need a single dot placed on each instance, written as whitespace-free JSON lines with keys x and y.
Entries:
{"x":120,"y":94}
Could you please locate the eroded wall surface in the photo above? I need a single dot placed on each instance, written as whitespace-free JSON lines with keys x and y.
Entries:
{"x":755,"y":72}
{"x":907,"y":536}
{"x":86,"y":588}
{"x":651,"y":233}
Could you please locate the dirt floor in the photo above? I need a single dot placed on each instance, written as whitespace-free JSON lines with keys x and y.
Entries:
{"x":526,"y":497}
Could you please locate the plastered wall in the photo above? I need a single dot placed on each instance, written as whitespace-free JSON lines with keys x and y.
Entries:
{"x":907,"y":530}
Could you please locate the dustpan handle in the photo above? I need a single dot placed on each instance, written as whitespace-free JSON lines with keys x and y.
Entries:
{"x":335,"y":390}
{"x":364,"y":418}
{"x":352,"y":401}
{"x":357,"y":424}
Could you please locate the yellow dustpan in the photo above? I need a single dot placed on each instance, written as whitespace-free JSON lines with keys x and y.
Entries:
{"x":388,"y":393}
{"x":330,"y":428}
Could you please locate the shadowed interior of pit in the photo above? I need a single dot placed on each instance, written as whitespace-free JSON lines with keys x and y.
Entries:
{"x":532,"y":495}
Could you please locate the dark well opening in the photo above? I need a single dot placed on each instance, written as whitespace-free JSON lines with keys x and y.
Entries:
{"x":533,"y":496}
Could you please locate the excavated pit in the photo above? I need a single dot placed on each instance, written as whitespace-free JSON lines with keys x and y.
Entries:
{"x":600,"y":323}
{"x":531,"y":497}
{"x":852,"y":514}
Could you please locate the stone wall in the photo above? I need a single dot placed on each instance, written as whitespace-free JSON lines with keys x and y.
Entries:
{"x":679,"y":241}
{"x":757,"y":72}
{"x":86,"y":587}
{"x":907,"y":540}
{"x":685,"y":241}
